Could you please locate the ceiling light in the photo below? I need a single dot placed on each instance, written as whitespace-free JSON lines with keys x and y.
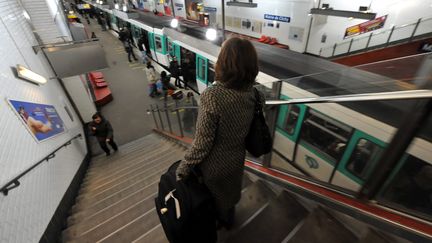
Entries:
{"x":117,"y":6}
{"x":29,"y":75}
{"x":125,"y":8}
{"x":174,"y":23}
{"x":211,"y":34}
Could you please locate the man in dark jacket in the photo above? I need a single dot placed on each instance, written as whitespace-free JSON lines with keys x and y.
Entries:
{"x":101,"y":128}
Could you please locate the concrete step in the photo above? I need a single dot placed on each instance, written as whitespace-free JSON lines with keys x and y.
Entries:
{"x":155,"y":235}
{"x":273,"y":223}
{"x":136,"y":163}
{"x":254,"y":199}
{"x":88,"y":219}
{"x":373,"y":236}
{"x":113,"y":181}
{"x":110,"y":225}
{"x":134,"y":229}
{"x":320,"y":226}
{"x":121,"y":160}
{"x":128,"y":148}
{"x":123,"y":189}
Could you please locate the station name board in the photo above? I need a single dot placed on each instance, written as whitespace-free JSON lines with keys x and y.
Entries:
{"x":277,"y":18}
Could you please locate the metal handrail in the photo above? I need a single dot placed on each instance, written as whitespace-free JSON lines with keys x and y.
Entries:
{"x":396,"y":95}
{"x":391,"y":30}
{"x":14,"y":183}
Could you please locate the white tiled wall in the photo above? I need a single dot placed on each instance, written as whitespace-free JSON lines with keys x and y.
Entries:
{"x":26,"y":211}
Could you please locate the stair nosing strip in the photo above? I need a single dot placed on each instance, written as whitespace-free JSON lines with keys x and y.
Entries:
{"x":147,"y":233}
{"x":122,"y":200}
{"x":131,"y":184}
{"x":124,"y":226}
{"x":254,"y":215}
{"x":294,"y":230}
{"x":154,"y":194}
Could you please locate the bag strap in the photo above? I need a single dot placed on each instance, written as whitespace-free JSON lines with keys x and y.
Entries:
{"x":258,"y":103}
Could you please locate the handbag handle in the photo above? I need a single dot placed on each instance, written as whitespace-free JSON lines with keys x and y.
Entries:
{"x":258,"y":103}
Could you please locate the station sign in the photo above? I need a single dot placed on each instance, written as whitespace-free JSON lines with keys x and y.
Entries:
{"x":277,"y":18}
{"x":210,"y":9}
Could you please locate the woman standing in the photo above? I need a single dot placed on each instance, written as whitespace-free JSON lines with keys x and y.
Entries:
{"x":225,"y":115}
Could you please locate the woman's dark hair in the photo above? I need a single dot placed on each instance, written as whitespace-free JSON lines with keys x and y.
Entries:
{"x":163,"y":74}
{"x":237,"y":64}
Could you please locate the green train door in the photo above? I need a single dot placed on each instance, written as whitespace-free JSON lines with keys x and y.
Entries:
{"x":201,"y":73}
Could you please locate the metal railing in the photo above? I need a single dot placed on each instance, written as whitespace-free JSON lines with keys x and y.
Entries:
{"x":14,"y":183}
{"x":397,"y":34}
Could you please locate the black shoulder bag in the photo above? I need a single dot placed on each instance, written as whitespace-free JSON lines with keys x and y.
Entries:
{"x":258,"y":140}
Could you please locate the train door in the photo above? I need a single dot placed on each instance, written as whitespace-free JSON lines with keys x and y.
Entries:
{"x":361,"y":156}
{"x":201,"y":73}
{"x":321,"y":145}
{"x":161,"y":49}
{"x":174,"y":50}
{"x":145,"y":34}
{"x":136,"y":33}
{"x":152,"y":46}
{"x":288,"y":128}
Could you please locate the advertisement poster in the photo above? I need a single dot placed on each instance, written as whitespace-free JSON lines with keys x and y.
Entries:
{"x":368,"y":26}
{"x":192,"y":9}
{"x":42,"y":121}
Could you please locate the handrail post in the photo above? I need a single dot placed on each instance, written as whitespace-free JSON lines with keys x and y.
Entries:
{"x":168,"y":121}
{"x":334,"y":49}
{"x":160,"y":117}
{"x":368,"y":42}
{"x":350,"y":45}
{"x":415,"y":29}
{"x":154,"y":117}
{"x":390,"y":35}
{"x":178,"y":118}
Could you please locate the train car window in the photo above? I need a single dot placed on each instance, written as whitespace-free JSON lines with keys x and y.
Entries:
{"x":411,"y":187}
{"x":211,"y":72}
{"x":170,"y":48}
{"x":158,"y":42}
{"x":291,"y":119}
{"x":364,"y":156}
{"x":328,"y":136}
{"x":202,"y":68}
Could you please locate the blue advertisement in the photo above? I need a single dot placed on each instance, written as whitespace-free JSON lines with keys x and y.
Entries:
{"x":277,"y":18}
{"x":42,"y":121}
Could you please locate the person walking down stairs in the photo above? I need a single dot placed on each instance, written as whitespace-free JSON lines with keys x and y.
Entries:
{"x":102,"y":130}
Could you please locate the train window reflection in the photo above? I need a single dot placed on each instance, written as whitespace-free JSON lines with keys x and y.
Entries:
{"x":325,"y":134}
{"x":364,"y":156}
{"x":411,"y":187}
{"x":291,"y":119}
{"x":202,"y":68}
{"x":158,"y":42}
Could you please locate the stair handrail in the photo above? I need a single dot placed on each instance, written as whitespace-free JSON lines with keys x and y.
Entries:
{"x":14,"y":183}
{"x":391,"y":30}
{"x":395,"y":95}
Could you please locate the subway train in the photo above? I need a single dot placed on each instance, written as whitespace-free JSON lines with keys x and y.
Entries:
{"x":335,"y":143}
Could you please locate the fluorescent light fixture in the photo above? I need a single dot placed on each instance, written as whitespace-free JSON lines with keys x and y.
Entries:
{"x":29,"y":75}
{"x":71,"y":12}
{"x":211,"y":34}
{"x":117,"y":6}
{"x":249,"y":4}
{"x":174,"y":23}
{"x":125,"y":8}
{"x":26,"y":15}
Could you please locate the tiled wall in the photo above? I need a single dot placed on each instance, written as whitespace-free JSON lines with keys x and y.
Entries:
{"x":27,"y":210}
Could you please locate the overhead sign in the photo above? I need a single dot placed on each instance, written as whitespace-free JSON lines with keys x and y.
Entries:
{"x":42,"y":121}
{"x":365,"y":27}
{"x":277,"y":18}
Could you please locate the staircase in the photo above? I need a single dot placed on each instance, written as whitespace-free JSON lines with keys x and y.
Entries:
{"x":116,"y":204}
